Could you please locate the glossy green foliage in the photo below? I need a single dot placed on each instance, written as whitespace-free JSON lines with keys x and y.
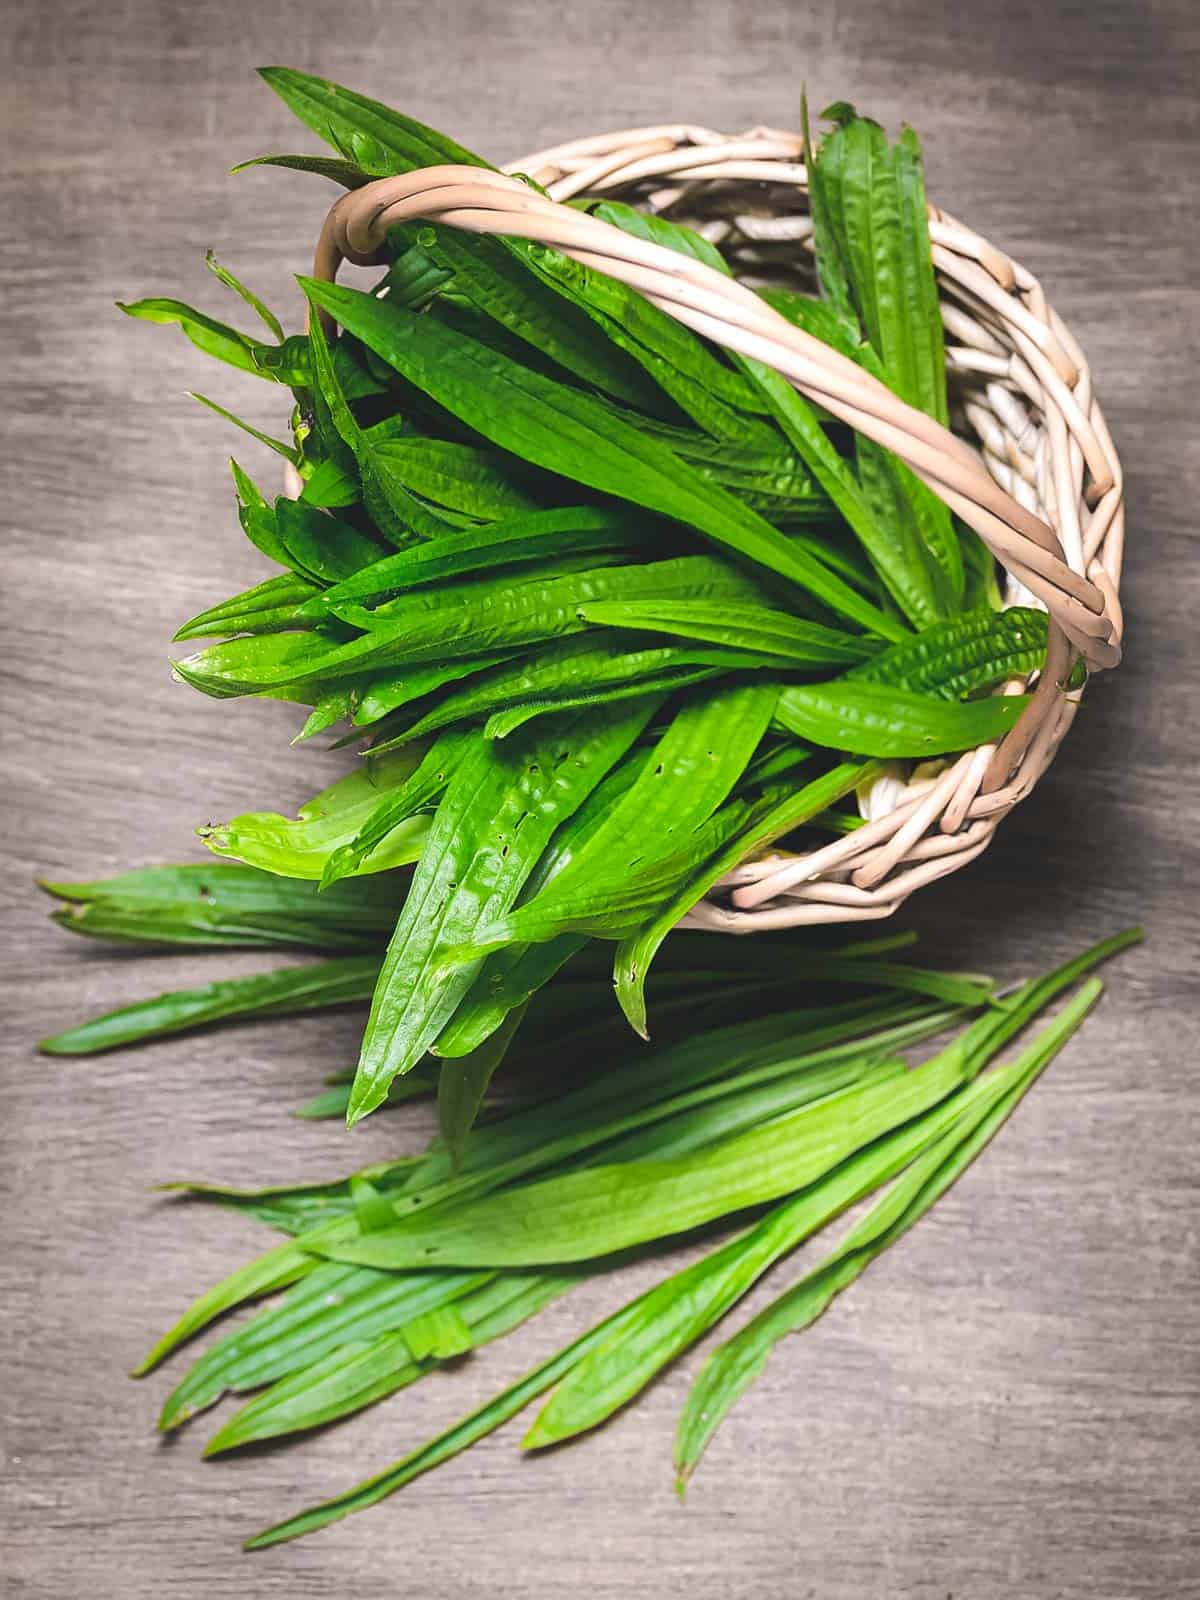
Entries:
{"x":544,"y":450}
{"x":227,"y":906}
{"x":613,"y":610}
{"x":347,"y":1334}
{"x":270,"y":994}
{"x":301,"y":846}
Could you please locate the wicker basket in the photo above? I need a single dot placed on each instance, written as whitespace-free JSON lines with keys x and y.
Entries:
{"x":1040,"y":481}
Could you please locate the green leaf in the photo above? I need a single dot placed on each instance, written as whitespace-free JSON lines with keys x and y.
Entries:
{"x":912,"y":579}
{"x":873,"y":719}
{"x":734,"y":1366}
{"x":871,"y":231}
{"x":244,"y":613}
{"x":383,"y":141}
{"x":595,"y":1212}
{"x":257,"y":519}
{"x":206,"y":333}
{"x":478,"y":482}
{"x":756,"y":629}
{"x":581,"y":668}
{"x":398,"y":515}
{"x":330,"y":485}
{"x":216,"y":906}
{"x":343,"y":172}
{"x":612,"y":1103}
{"x":495,"y":276}
{"x":695,"y":765}
{"x":822,"y":167}
{"x":661,"y":231}
{"x":327,"y":1309}
{"x":773,"y":481}
{"x":283,"y":1265}
{"x":331,"y":1103}
{"x":728,"y":1067}
{"x":386,"y":691}
{"x":685,"y":1306}
{"x":265,"y":315}
{"x":361,"y":1373}
{"x":414,"y":277}
{"x":659,"y":684}
{"x":511,"y":976}
{"x":506,"y":981}
{"x":703,"y":387}
{"x":268,"y":994}
{"x":320,"y":546}
{"x":766,"y":390}
{"x":879,"y":220}
{"x":299,"y":847}
{"x":450,"y":1443}
{"x":518,"y":539}
{"x":287,"y":451}
{"x":962,"y":655}
{"x":486,"y":1419}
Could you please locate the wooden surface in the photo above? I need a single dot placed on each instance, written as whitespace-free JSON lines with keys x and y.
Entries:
{"x":1006,"y":1404}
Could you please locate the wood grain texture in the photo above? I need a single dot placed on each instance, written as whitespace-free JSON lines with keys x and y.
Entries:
{"x":1006,"y":1404}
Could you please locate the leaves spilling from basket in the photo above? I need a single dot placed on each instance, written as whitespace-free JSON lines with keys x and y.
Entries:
{"x":613,"y":610}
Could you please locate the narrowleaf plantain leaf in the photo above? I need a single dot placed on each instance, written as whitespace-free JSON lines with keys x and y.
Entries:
{"x":321,"y":547}
{"x":585,"y":1214}
{"x":962,"y":655}
{"x":287,"y":451}
{"x":300,"y":846}
{"x":481,"y":483}
{"x":987,"y":1105}
{"x":274,"y":598}
{"x":874,"y":719}
{"x":685,"y":1306}
{"x":343,"y":172}
{"x":711,"y":739}
{"x":317,"y":1316}
{"x":399,"y":515}
{"x":269,"y":994}
{"x":522,"y":537}
{"x":384,"y":692}
{"x":390,"y":141}
{"x":585,"y":666}
{"x":265,"y":315}
{"x":658,"y":684}
{"x":755,"y":629}
{"x":227,"y":906}
{"x":214,"y":338}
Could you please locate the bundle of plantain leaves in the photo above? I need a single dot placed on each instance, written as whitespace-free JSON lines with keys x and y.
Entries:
{"x":611,"y":610}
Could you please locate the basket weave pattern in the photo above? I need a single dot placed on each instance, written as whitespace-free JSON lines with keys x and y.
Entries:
{"x":1039,"y":481}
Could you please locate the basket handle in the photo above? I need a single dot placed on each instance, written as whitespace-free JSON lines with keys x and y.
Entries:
{"x":721,"y":309}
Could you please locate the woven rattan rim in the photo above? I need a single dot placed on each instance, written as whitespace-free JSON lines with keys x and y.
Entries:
{"x":1042,"y":486}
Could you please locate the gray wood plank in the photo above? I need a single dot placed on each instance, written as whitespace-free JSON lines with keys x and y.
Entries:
{"x":1006,"y":1404}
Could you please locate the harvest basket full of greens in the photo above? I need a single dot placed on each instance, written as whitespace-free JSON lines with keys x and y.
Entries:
{"x":729,"y":555}
{"x":700,"y":532}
